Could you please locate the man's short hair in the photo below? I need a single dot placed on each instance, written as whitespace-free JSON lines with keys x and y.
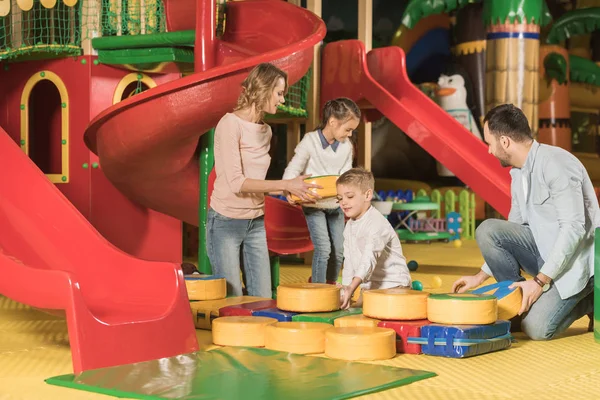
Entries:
{"x":359,"y":177}
{"x":508,"y":120}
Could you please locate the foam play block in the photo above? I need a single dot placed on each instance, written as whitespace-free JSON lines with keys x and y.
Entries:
{"x":462,"y":341}
{"x":279,"y":315}
{"x":246,"y":309}
{"x":404,"y":330}
{"x":205,"y":311}
{"x":509,"y":300}
{"x":240,"y":373}
{"x":205,"y":287}
{"x":327,"y":317}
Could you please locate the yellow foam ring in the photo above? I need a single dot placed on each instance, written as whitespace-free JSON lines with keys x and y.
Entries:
{"x":462,"y":309}
{"x":326,"y":181}
{"x":355,"y":320}
{"x":25,"y":5}
{"x":240,"y":331}
{"x":395,"y":304}
{"x":297,"y":337}
{"x":206,"y":289}
{"x":70,"y":3}
{"x":308,"y":297}
{"x":4,"y":8}
{"x":204,"y":312}
{"x":48,"y":3}
{"x":360,"y":343}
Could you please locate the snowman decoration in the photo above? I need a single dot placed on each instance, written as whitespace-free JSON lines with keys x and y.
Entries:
{"x":452,"y":97}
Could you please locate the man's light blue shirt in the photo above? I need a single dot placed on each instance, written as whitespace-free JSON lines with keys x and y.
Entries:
{"x":561,"y":209}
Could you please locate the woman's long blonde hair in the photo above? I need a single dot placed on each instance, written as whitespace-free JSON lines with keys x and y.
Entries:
{"x":258,"y":87}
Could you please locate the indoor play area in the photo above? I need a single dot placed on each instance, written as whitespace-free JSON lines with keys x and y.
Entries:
{"x":107,"y":122}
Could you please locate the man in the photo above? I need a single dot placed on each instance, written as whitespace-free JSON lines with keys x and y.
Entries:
{"x":550,"y":228}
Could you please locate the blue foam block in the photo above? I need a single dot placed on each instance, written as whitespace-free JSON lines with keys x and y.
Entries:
{"x":279,"y":315}
{"x":485,"y":339}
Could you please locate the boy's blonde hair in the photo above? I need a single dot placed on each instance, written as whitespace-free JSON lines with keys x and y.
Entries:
{"x":258,"y":86}
{"x":358,"y":177}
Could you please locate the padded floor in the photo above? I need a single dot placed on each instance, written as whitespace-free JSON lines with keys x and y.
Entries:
{"x":34,"y":346}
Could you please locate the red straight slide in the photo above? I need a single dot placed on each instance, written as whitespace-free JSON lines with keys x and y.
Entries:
{"x":380,"y":79}
{"x":120,"y":309}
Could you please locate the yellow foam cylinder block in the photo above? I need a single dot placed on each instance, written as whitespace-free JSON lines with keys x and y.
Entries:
{"x":360,"y":343}
{"x":308,"y":297}
{"x":395,"y":304}
{"x":509,"y":300}
{"x":327,"y":182}
{"x":355,"y":320}
{"x":206,"y":288}
{"x":240,"y":331}
{"x":462,"y":309}
{"x":297,"y":337}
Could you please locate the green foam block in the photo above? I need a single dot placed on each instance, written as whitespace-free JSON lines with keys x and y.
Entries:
{"x":327,"y":317}
{"x":241,"y":373}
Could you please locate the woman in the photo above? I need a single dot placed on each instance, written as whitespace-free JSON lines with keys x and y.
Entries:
{"x":236,"y":216}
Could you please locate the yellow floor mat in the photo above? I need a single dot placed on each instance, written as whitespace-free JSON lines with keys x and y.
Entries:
{"x":34,"y":346}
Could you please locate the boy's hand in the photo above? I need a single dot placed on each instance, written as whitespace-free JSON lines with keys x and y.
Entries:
{"x":346,"y":297}
{"x":348,"y":292}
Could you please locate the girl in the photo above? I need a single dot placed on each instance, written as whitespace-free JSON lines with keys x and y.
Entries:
{"x":326,"y":151}
{"x":235,"y":223}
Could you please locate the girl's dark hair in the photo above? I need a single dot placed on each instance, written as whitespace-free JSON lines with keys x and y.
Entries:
{"x":341,"y":109}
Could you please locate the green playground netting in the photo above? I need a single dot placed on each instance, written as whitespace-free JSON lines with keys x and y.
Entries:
{"x":39,"y":32}
{"x":295,"y":99}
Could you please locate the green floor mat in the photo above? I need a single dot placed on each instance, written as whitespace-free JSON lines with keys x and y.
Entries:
{"x":241,"y":373}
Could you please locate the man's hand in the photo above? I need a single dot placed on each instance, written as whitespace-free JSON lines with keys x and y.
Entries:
{"x":531,"y":292}
{"x":465,"y":283}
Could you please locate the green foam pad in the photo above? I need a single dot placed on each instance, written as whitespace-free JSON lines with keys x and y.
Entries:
{"x":327,"y":317}
{"x":241,"y":373}
{"x":146,"y":56}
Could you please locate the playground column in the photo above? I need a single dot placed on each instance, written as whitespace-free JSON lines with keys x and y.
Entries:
{"x":205,"y":48}
{"x":293,"y":128}
{"x":469,"y":50}
{"x":312,"y":105}
{"x":554,"y":106}
{"x":365,"y":34}
{"x":513,"y":32}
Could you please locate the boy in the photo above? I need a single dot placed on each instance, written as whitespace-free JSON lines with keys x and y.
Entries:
{"x":373,"y":256}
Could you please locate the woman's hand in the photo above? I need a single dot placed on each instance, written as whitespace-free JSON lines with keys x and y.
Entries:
{"x":301,"y":189}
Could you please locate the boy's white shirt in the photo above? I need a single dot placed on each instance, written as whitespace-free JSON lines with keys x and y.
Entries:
{"x":311,"y":158}
{"x":372,"y":252}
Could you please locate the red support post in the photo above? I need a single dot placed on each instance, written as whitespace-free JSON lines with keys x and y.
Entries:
{"x":204,"y":49}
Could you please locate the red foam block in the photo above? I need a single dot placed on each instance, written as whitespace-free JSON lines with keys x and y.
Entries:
{"x":246,"y":308}
{"x":404,"y":330}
